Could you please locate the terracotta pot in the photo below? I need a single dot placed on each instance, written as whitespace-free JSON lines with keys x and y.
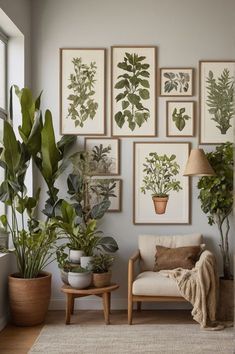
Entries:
{"x":160,"y":204}
{"x":225,"y":310}
{"x":29,"y":299}
{"x":102,"y":279}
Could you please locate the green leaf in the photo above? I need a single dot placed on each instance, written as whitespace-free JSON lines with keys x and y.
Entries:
{"x":144,"y":94}
{"x":119,"y":119}
{"x":108,"y":244}
{"x":11,"y":152}
{"x":134,"y":99}
{"x":145,"y":83}
{"x":180,"y":124}
{"x":3,"y":220}
{"x":144,"y":73}
{"x":120,"y":84}
{"x":98,"y":211}
{"x":125,"y":104}
{"x":139,"y":118}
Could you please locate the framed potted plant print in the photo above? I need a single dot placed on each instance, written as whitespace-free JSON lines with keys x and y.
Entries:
{"x":82,"y":91}
{"x":180,"y":118}
{"x":133,"y":88}
{"x":112,"y":187}
{"x":105,"y":154}
{"x":217,"y":107}
{"x":176,"y":82}
{"x":161,"y":192}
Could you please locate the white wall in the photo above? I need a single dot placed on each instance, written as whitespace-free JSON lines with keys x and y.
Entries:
{"x":184,"y":31}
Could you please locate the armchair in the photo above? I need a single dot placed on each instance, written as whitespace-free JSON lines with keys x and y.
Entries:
{"x":149,"y":285}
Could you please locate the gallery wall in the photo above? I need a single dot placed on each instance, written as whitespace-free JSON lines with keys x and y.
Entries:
{"x":184,"y":31}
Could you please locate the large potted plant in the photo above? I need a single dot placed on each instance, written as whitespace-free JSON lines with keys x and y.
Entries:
{"x":160,"y":173}
{"x":216,"y":196}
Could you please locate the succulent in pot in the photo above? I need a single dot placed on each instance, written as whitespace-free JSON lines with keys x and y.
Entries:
{"x":100,"y":266}
{"x":79,"y":278}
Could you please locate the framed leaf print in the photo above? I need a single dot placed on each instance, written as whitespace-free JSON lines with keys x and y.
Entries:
{"x":112,"y":187}
{"x":105,"y":155}
{"x":133,"y":91}
{"x":161,"y":192}
{"x":176,"y":81}
{"x":180,"y":118}
{"x":217,"y":106}
{"x":82,"y":91}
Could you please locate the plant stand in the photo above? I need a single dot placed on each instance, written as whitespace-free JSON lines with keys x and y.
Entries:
{"x":72,"y":294}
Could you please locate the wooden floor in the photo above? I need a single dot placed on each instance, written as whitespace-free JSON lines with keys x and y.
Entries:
{"x":18,"y":340}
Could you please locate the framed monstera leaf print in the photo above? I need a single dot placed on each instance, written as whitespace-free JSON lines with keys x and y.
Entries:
{"x":133,"y":91}
{"x":217,"y":101}
{"x":176,"y":81}
{"x":82,"y":91}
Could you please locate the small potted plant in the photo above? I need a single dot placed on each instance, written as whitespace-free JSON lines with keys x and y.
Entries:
{"x":79,"y":278}
{"x":100,"y":266}
{"x":63,"y":263}
{"x":159,"y":178}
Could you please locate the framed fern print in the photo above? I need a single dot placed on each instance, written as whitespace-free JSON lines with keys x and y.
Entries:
{"x":133,"y":101}
{"x":217,"y":106}
{"x":82,"y":91}
{"x":180,"y":118}
{"x":176,"y":82}
{"x":105,"y":156}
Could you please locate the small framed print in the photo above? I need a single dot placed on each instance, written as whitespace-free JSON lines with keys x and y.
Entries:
{"x":176,"y":81}
{"x":133,"y":89}
{"x":82,"y":91}
{"x":180,"y":118}
{"x":216,"y":101}
{"x":105,"y":155}
{"x":111,"y":187}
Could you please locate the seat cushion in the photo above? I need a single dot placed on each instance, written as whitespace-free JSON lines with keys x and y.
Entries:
{"x":154,"y":284}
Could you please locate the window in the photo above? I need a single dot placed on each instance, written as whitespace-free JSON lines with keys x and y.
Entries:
{"x":3,"y":78}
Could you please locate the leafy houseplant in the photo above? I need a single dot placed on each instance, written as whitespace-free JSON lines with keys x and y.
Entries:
{"x":134,"y":84}
{"x":221,"y":99}
{"x":216,"y":196}
{"x":100,"y":266}
{"x":176,"y":81}
{"x":160,"y":172}
{"x":179,"y":118}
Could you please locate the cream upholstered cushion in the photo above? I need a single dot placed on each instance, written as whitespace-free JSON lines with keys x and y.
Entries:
{"x":154,"y":284}
{"x":147,"y":246}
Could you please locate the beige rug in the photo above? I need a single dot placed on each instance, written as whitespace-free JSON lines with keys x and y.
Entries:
{"x":124,"y":339}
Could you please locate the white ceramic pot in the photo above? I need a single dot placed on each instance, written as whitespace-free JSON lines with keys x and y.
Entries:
{"x":64,"y":276}
{"x":85,"y":262}
{"x":75,"y":255}
{"x":79,"y":280}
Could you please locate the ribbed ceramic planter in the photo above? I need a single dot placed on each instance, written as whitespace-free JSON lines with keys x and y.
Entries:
{"x":102,"y":279}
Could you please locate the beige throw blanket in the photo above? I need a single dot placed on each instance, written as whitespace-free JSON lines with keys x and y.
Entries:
{"x":199,"y":286}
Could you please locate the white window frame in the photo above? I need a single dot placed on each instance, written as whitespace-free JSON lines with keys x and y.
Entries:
{"x":3,"y":112}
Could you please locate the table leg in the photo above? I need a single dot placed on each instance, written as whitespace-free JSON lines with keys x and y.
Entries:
{"x":109,"y":302}
{"x":105,"y":297}
{"x":72,"y":305}
{"x":68,"y":307}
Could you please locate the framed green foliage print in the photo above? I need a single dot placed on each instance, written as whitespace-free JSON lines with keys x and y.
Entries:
{"x":82,"y":91}
{"x":180,"y":118}
{"x":110,"y":188}
{"x":133,"y":91}
{"x":176,"y":82}
{"x":161,"y":191}
{"x":217,"y":106}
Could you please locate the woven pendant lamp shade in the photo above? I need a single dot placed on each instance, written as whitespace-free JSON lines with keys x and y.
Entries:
{"x":198,"y":165}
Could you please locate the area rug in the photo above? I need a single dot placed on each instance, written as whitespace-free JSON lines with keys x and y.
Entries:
{"x":125,"y":339}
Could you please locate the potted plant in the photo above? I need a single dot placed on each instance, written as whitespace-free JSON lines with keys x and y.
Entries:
{"x":100,"y":267}
{"x":216,"y":196}
{"x":159,"y":178}
{"x":63,"y":263}
{"x":79,"y":278}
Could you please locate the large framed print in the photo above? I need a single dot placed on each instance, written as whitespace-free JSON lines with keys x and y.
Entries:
{"x":176,"y":81}
{"x":82,"y":91}
{"x":217,"y":106}
{"x":105,"y":155}
{"x":161,"y":192}
{"x":133,"y":91}
{"x":180,"y":118}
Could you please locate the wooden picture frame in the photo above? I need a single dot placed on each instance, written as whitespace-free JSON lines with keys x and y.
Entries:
{"x":106,"y":153}
{"x":83,"y":91}
{"x":177,"y":82}
{"x":133,"y":97}
{"x":216,"y":103}
{"x":116,"y":201}
{"x":177,"y":206}
{"x":180,"y":118}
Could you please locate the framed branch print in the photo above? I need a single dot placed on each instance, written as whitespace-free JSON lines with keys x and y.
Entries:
{"x":105,"y":155}
{"x":82,"y":91}
{"x":180,"y":118}
{"x":217,"y":107}
{"x":110,"y":187}
{"x":133,"y":91}
{"x":176,"y":82}
{"x":161,"y":192}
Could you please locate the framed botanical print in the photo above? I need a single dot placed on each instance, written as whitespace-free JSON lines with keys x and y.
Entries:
{"x":180,"y":118}
{"x":133,"y":88}
{"x":112,"y":187}
{"x":82,"y":91}
{"x":217,"y":106}
{"x":176,"y":82}
{"x":161,"y":192}
{"x":105,"y":155}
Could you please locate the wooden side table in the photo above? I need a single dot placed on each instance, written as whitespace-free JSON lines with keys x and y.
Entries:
{"x":72,"y":294}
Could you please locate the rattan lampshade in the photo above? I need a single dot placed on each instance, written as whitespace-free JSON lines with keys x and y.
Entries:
{"x":198,"y":165}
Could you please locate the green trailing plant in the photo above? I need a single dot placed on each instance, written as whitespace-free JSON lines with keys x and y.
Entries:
{"x":135,"y":86}
{"x":216,"y":196}
{"x":101,"y":263}
{"x":160,"y":173}
{"x":63,"y":258}
{"x":82,"y":104}
{"x":221,"y":99}
{"x":179,"y":118}
{"x":176,"y":82}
